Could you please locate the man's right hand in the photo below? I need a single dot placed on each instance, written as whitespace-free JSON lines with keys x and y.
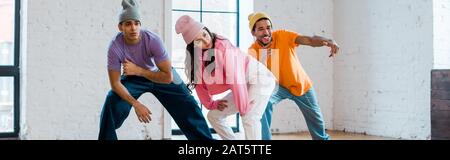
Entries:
{"x":142,"y":112}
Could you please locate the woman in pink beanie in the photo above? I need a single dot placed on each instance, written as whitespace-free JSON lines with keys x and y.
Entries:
{"x":214,"y":66}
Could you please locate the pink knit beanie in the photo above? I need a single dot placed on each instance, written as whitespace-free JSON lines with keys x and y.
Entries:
{"x":188,"y":27}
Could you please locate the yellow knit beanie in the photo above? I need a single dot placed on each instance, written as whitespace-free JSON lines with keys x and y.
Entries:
{"x":254,"y":17}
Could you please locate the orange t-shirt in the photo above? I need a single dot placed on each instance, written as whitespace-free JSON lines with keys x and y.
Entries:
{"x":282,"y":60}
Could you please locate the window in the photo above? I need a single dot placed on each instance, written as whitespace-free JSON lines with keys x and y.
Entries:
{"x":9,"y":68}
{"x":220,"y":16}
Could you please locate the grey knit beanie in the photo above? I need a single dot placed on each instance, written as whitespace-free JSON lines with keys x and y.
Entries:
{"x":130,"y":11}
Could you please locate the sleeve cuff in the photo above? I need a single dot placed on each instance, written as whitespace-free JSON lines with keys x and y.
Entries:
{"x":213,"y":105}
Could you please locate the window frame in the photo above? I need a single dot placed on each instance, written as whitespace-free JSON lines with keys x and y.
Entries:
{"x":14,"y":71}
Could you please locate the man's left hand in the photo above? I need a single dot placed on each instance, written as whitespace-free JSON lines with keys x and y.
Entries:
{"x":334,"y":47}
{"x":131,"y":69}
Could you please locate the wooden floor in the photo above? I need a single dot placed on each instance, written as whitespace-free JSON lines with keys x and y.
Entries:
{"x":335,"y":135}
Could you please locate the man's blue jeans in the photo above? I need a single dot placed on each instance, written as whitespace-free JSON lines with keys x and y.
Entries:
{"x":308,"y":105}
{"x":175,"y":97}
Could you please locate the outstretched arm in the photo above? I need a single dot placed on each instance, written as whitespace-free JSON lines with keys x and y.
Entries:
{"x":317,"y":41}
{"x":142,"y":112}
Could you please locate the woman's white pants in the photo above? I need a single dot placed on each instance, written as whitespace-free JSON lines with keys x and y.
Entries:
{"x":261,"y":84}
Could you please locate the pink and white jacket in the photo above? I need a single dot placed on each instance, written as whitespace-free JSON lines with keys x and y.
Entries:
{"x":229,"y":73}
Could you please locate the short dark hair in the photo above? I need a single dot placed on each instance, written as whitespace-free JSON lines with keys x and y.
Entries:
{"x":254,"y":26}
{"x":140,"y":23}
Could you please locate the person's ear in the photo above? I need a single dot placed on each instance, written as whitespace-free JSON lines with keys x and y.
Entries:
{"x":253,"y":33}
{"x":120,"y":27}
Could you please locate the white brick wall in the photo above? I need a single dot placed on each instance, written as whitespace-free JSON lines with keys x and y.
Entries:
{"x":306,"y":17}
{"x":66,"y":79}
{"x":441,"y":34}
{"x":378,"y":85}
{"x":382,"y":77}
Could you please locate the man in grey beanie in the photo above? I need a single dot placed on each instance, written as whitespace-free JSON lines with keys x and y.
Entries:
{"x":146,"y":68}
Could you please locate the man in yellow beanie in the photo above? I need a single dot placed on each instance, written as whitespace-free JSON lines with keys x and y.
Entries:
{"x":277,"y":50}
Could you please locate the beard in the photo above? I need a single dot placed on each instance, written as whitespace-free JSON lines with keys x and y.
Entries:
{"x":265,"y":39}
